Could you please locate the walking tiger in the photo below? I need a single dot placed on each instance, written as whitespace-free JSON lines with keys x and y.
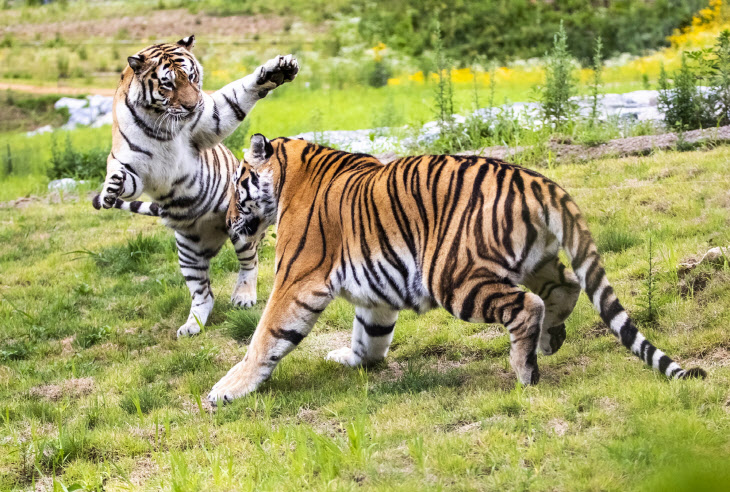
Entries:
{"x":458,"y":232}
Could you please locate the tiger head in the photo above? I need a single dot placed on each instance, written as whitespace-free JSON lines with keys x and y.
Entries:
{"x":253,"y":207}
{"x":166,"y":78}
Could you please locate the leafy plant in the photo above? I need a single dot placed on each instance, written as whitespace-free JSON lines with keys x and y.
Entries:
{"x":68,"y":162}
{"x":560,"y":84}
{"x":597,"y":67}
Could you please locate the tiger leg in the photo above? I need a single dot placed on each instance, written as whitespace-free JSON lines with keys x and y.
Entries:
{"x":372,"y":332}
{"x":120,"y":182}
{"x":286,"y":320}
{"x":520,"y":312}
{"x":244,"y":293}
{"x":194,"y":257}
{"x":559,"y":289}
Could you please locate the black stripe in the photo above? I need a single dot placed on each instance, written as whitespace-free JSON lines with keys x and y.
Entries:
{"x":374,"y":330}
{"x":308,"y":307}
{"x":237,"y":111}
{"x":664,"y":362}
{"x":291,"y":336}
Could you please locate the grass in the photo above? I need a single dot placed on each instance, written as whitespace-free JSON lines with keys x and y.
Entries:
{"x":98,"y":295}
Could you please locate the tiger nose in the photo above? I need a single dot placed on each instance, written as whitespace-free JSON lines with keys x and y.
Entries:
{"x":189,"y":107}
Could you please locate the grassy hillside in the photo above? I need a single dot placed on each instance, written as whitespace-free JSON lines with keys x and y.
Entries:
{"x":96,"y":391}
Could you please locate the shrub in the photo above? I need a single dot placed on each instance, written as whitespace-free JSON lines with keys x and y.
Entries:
{"x":68,"y":162}
{"x":597,"y":67}
{"x":560,"y":84}
{"x":711,"y":66}
{"x":378,"y":74}
{"x":680,"y":102}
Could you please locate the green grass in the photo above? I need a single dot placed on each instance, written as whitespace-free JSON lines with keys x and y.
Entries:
{"x":98,"y":295}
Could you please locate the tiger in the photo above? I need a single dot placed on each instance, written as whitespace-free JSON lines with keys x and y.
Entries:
{"x":459,"y":232}
{"x":166,"y":142}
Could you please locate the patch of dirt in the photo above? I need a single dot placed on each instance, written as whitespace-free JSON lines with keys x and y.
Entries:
{"x":392,"y":372}
{"x":75,"y":388}
{"x":144,"y":469}
{"x":468,"y":427}
{"x":26,"y":201}
{"x":164,"y":25}
{"x":608,"y":405}
{"x":320,"y":424}
{"x":711,"y":359}
{"x":320,"y":344}
{"x":558,"y":427}
{"x":598,"y":329}
{"x":66,"y":345}
{"x":692,"y":285}
{"x":489,"y":333}
{"x":44,"y":484}
{"x":191,"y":407}
{"x":620,"y":147}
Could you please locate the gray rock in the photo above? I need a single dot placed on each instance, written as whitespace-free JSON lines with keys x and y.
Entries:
{"x":38,"y":131}
{"x":64,"y":184}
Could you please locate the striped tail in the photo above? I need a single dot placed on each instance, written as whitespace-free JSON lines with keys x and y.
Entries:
{"x":142,"y":208}
{"x":571,"y":230}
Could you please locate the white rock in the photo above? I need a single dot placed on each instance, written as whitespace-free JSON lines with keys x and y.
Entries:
{"x":71,"y":103}
{"x":64,"y":184}
{"x":38,"y":131}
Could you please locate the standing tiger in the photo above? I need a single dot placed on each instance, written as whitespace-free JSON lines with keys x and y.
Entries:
{"x":166,"y":142}
{"x":458,"y":232}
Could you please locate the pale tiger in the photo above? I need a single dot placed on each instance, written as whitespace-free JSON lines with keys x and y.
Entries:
{"x":166,"y":142}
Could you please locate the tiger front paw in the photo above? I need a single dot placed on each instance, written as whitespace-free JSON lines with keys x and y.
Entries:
{"x":112,"y":188}
{"x":275,"y":72}
{"x":345,"y":356}
{"x":233,"y":385}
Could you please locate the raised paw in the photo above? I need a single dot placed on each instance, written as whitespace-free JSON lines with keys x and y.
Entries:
{"x":188,"y":329}
{"x":111,"y":190}
{"x":276,"y":71}
{"x":345,"y":356}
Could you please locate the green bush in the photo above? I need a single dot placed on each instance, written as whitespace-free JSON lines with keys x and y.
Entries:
{"x":685,"y":106}
{"x":378,"y":73}
{"x":518,"y":29}
{"x":560,"y":83}
{"x":68,"y":162}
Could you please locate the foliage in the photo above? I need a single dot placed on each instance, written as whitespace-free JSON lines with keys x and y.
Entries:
{"x":505,"y":30}
{"x":685,"y":105}
{"x":19,"y":111}
{"x":560,"y":84}
{"x":597,"y":67}
{"x":67,"y":161}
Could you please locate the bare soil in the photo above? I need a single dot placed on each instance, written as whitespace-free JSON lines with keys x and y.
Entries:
{"x":620,"y":147}
{"x":169,"y":25}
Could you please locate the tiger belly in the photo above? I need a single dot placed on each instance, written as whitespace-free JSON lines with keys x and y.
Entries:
{"x":379,"y":283}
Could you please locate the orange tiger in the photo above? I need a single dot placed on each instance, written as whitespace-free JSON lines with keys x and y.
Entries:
{"x":458,"y":232}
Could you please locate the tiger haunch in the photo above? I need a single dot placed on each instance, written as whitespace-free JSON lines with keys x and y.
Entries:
{"x":458,"y":232}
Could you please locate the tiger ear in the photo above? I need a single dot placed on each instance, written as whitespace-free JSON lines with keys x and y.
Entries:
{"x":136,"y":62}
{"x":188,"y":42}
{"x":261,"y":150}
